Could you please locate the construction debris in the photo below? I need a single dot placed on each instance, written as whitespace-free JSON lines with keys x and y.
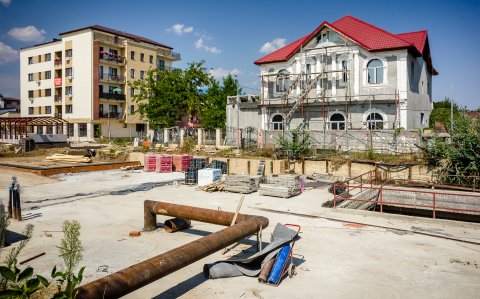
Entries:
{"x":213,"y":187}
{"x":242,"y":183}
{"x":283,"y":186}
{"x":68,"y":158}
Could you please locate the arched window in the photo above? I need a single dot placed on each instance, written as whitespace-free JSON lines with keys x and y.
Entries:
{"x":337,"y":122}
{"x":283,"y":81}
{"x":375,"y":71}
{"x":375,"y":121}
{"x":277,"y":122}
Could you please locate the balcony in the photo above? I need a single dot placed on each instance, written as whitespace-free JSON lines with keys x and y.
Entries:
{"x":112,"y":78}
{"x":168,"y":68}
{"x":115,"y":59}
{"x":112,"y":115}
{"x":58,"y":115}
{"x":58,"y":63}
{"x":58,"y":98}
{"x":112,"y":96}
{"x":170,"y":55}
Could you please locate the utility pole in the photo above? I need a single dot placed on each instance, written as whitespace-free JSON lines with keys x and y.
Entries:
{"x":451,"y":111}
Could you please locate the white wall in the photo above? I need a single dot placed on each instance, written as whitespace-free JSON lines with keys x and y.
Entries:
{"x":43,"y":66}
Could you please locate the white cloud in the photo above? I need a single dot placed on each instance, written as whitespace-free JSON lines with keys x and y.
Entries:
{"x":27,"y":34}
{"x":200,"y":44}
{"x":7,"y":54}
{"x":222,"y":73}
{"x":180,"y":29}
{"x":273,"y":45}
{"x":5,"y":3}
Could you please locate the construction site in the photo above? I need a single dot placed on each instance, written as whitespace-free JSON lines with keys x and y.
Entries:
{"x":345,"y":226}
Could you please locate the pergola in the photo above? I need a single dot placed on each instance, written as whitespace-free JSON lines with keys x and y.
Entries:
{"x":17,"y":127}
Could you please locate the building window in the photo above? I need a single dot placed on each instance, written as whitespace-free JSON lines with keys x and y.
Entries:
{"x":69,"y":72}
{"x":39,"y":129}
{"x":151,"y":59}
{"x":132,"y":73}
{"x":277,"y":122}
{"x":375,"y":71}
{"x":422,"y":118}
{"x":48,"y":109}
{"x":48,"y":57}
{"x":132,"y":109}
{"x":49,"y":129}
{"x":344,"y":71}
{"x":39,"y":75}
{"x":100,"y":71}
{"x":412,"y":72}
{"x":30,"y":77}
{"x":70,"y":128}
{"x":161,"y":64}
{"x":132,"y":55}
{"x":116,"y":40}
{"x":39,"y":93}
{"x":39,"y":109}
{"x":82,"y":130}
{"x":283,"y":81}
{"x":48,"y":75}
{"x":68,"y":53}
{"x":142,"y":73}
{"x":68,"y":90}
{"x":39,"y":58}
{"x":48,"y":92}
{"x":30,"y":93}
{"x":132,"y":92}
{"x":337,"y":122}
{"x":30,"y":110}
{"x":375,"y":121}
{"x":68,"y":109}
{"x":30,"y":60}
{"x":142,"y":57}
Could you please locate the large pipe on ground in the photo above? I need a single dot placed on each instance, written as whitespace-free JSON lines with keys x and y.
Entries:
{"x":134,"y":277}
{"x":175,"y":224}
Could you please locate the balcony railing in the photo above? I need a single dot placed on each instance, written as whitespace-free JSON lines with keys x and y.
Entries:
{"x":168,"y":68}
{"x":112,"y":78}
{"x":58,"y":115}
{"x":58,"y":98}
{"x":175,"y":55}
{"x":112,"y":96}
{"x":58,"y":62}
{"x":114,"y":115}
{"x":112,"y":58}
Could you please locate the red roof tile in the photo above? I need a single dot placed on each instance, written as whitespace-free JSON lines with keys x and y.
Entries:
{"x":367,"y":35}
{"x":417,"y":38}
{"x":282,"y":53}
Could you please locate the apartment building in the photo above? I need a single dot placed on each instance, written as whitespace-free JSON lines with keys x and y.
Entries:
{"x":83,"y":77}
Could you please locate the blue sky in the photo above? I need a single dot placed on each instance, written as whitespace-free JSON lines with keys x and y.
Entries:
{"x":229,"y":35}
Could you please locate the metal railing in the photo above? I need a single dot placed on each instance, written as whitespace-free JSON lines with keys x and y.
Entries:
{"x":112,"y":96}
{"x":112,"y":58}
{"x":112,"y":78}
{"x":426,"y":199}
{"x":113,"y":115}
{"x":168,"y":68}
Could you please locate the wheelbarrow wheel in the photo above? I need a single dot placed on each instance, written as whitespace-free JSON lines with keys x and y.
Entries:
{"x":291,"y":270}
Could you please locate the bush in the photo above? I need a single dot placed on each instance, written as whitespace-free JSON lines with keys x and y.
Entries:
{"x":298,"y":145}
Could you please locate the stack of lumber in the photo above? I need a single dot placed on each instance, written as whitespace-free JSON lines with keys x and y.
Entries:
{"x":68,"y":158}
{"x":215,"y":186}
{"x":282,"y":186}
{"x":242,"y":183}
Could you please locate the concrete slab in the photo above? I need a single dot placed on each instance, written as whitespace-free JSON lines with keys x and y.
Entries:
{"x":335,"y":259}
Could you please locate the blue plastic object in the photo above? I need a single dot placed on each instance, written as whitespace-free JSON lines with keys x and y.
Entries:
{"x":276,"y":272}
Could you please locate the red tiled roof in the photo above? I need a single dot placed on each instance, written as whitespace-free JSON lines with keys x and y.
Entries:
{"x":283,"y":53}
{"x":417,"y":38}
{"x":119,"y":33}
{"x":367,"y":35}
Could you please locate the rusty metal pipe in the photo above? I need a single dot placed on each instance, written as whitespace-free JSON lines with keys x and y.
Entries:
{"x":134,"y":277}
{"x":154,"y":208}
{"x":176,"y":224}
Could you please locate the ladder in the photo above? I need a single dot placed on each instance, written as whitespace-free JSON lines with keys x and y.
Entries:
{"x":292,"y":86}
{"x":302,"y":96}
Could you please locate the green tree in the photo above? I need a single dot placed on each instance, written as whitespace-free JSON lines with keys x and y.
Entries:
{"x":441,"y":113}
{"x":166,"y":96}
{"x":214,"y":116}
{"x":297,"y":145}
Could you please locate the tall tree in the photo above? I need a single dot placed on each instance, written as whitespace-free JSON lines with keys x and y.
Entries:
{"x":441,"y":113}
{"x":166,"y":96}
